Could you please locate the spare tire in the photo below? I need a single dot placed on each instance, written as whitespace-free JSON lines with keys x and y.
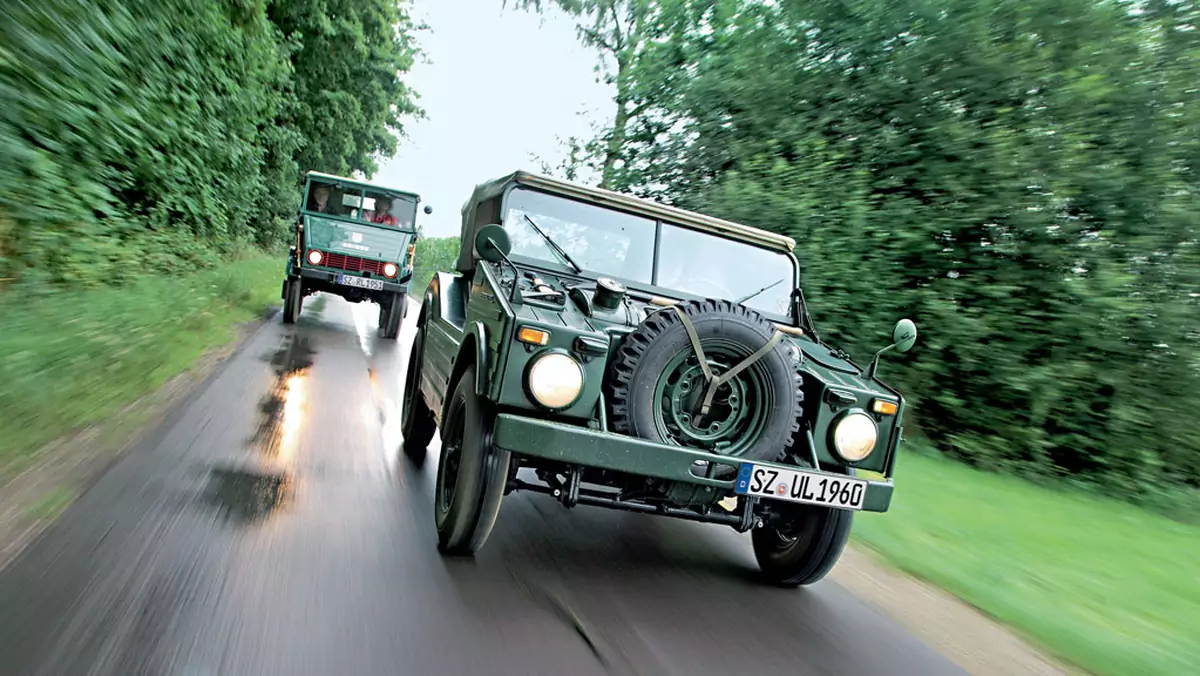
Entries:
{"x":656,"y":386}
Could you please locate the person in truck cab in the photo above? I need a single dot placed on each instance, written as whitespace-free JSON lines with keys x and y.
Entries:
{"x":383,"y":209}
{"x":320,"y":203}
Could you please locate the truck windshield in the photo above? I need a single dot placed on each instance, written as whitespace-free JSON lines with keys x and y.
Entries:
{"x":610,"y":242}
{"x":371,"y":206}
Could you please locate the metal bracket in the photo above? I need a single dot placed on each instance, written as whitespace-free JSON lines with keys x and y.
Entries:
{"x":574,"y":479}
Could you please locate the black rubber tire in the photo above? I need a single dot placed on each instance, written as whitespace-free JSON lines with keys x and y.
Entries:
{"x":647,"y":351}
{"x":416,"y":420}
{"x":292,"y":301}
{"x":395,"y":316}
{"x":465,"y":518}
{"x":817,"y":537}
{"x":383,"y":310}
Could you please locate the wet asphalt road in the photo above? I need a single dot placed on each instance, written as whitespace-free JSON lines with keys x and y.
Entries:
{"x":269,"y":526}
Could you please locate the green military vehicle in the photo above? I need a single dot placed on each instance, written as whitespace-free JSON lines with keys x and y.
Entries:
{"x":355,"y":240}
{"x":611,"y":351}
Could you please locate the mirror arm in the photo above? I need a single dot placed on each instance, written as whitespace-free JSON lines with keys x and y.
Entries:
{"x":515,"y":296}
{"x":869,"y":374}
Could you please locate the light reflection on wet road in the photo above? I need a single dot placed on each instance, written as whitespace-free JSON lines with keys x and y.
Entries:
{"x":269,"y":526}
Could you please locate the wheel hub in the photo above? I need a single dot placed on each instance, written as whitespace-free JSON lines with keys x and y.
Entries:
{"x":736,"y":414}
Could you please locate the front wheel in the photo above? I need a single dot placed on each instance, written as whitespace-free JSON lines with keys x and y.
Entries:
{"x":416,"y":420}
{"x":391,"y":317}
{"x":291,"y":301}
{"x":803,"y":546}
{"x":471,"y":473}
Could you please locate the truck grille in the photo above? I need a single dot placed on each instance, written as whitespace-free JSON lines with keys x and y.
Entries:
{"x":352,"y":263}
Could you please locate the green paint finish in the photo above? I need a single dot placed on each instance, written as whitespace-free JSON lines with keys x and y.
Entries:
{"x":354,"y":238}
{"x":832,"y":387}
{"x":738,"y":411}
{"x":509,"y":278}
{"x":582,"y":446}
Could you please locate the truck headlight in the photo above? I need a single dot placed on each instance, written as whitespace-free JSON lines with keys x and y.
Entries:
{"x":854,"y":437}
{"x":555,"y":380}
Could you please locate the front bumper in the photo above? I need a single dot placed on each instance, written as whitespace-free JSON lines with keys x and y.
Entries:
{"x":582,"y":446}
{"x":331,"y":279}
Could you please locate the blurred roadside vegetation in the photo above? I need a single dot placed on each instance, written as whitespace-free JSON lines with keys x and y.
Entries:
{"x":434,"y":254}
{"x":152,"y":160}
{"x":1100,"y":583}
{"x":160,"y":136}
{"x":1020,"y":177}
{"x":76,"y":358}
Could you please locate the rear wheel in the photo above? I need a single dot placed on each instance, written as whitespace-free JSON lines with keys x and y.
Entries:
{"x":803,"y":545}
{"x":416,"y":420}
{"x":471,"y":473}
{"x":291,"y":301}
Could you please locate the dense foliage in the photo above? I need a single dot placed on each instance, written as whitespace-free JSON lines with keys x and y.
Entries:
{"x":1018,"y":176}
{"x":143,"y":136}
{"x":434,"y":254}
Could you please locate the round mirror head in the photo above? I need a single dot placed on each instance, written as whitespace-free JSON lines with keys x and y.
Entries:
{"x":428,"y":209}
{"x":904,"y":335}
{"x":492,"y":243}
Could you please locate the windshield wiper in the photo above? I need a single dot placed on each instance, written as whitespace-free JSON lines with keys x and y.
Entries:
{"x":553,"y":245}
{"x":772,"y":285}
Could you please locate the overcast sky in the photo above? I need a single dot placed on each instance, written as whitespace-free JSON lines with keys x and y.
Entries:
{"x":499,"y":86}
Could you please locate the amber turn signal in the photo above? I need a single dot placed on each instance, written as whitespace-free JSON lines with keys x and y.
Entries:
{"x":884,"y":407}
{"x":532,"y":336}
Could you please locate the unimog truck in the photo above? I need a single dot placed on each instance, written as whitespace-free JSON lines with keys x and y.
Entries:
{"x":356,"y":240}
{"x":610,"y":351}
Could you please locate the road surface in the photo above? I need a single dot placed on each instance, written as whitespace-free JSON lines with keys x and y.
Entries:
{"x":269,"y":526}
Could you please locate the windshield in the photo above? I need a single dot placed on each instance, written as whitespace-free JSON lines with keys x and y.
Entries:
{"x":598,"y":239}
{"x":368,"y":205}
{"x":622,"y":245}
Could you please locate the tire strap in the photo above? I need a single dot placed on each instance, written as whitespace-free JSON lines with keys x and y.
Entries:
{"x":716,"y":381}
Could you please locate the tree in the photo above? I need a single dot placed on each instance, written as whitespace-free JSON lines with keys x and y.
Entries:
{"x":620,"y":30}
{"x":1019,"y":183}
{"x":349,"y":64}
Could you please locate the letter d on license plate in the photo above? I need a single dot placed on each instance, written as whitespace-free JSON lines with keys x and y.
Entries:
{"x":811,"y":488}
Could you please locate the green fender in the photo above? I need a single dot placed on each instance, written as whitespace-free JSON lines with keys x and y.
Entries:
{"x":475,"y":340}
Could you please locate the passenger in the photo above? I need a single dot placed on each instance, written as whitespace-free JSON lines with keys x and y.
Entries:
{"x":383,"y":215}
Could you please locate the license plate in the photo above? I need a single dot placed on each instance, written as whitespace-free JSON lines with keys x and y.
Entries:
{"x":809,"y":488}
{"x":361,"y":282}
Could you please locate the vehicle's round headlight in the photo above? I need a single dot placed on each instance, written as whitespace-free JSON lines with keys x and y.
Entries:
{"x":390,"y":269}
{"x":555,"y":380}
{"x":854,"y":437}
{"x":315,"y":257}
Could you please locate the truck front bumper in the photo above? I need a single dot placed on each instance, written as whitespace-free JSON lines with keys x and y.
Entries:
{"x":582,"y":446}
{"x":330,"y":278}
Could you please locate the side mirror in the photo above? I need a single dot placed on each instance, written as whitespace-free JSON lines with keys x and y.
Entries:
{"x":428,"y":210}
{"x":492,"y":243}
{"x":904,"y":336}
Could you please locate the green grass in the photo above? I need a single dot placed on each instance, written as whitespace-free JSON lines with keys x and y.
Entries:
{"x":1110,"y":587}
{"x":52,"y":503}
{"x":71,"y":359}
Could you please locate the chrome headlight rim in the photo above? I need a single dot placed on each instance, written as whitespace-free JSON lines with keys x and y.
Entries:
{"x":548,"y":359}
{"x":854,"y":416}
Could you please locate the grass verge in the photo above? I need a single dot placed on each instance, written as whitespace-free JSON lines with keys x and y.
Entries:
{"x":1100,"y":583}
{"x":71,"y":359}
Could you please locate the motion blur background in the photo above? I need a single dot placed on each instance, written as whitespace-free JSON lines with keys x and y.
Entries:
{"x":1020,"y":177}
